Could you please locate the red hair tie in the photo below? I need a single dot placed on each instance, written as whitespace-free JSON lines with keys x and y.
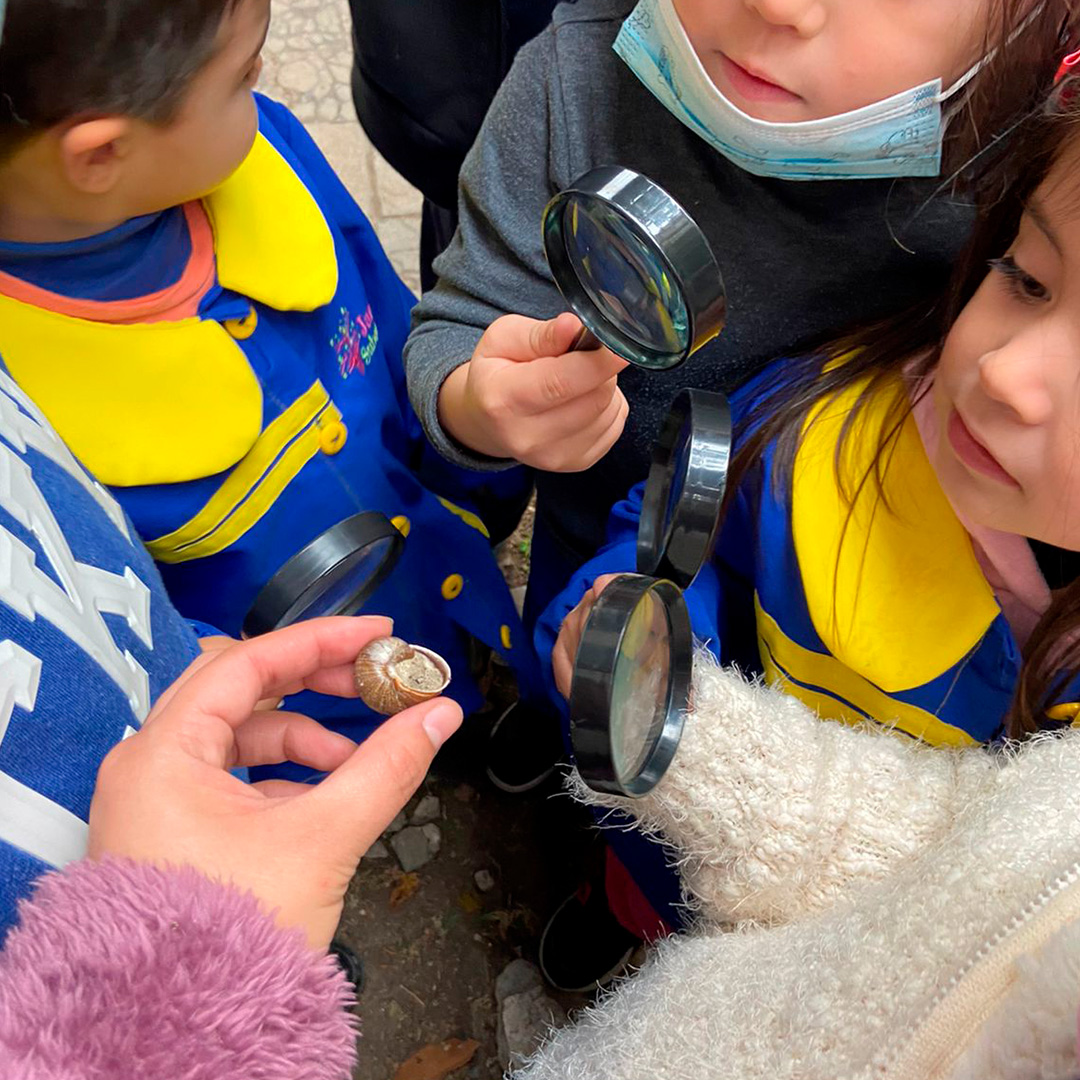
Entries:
{"x":1067,"y":66}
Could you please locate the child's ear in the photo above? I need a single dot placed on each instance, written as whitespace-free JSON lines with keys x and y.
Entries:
{"x":93,"y":153}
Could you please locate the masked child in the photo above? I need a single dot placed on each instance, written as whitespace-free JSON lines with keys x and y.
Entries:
{"x":204,"y":314}
{"x":899,"y":537}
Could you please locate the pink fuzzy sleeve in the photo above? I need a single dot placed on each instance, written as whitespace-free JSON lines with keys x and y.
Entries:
{"x":121,"y":970}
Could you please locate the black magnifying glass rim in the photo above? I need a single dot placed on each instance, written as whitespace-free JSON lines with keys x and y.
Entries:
{"x":678,"y":548}
{"x":593,"y":684}
{"x":284,"y":598}
{"x":661,"y":224}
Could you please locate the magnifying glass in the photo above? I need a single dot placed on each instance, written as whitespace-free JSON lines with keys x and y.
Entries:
{"x":631,"y":683}
{"x":680,"y":513}
{"x":634,"y":267}
{"x":335,"y":574}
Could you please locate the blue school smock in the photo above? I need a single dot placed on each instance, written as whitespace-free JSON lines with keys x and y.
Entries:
{"x":234,"y":437}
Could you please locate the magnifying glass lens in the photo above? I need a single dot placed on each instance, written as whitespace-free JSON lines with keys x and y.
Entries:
{"x":639,"y":700}
{"x":625,"y":278}
{"x":680,"y":467}
{"x":631,"y":685}
{"x":344,"y":589}
{"x":335,"y":574}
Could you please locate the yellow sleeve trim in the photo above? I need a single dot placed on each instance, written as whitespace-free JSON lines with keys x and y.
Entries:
{"x":467,"y":516}
{"x":245,"y":495}
{"x":789,"y":664}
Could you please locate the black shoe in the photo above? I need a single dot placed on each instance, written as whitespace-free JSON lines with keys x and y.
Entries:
{"x":584,"y":946}
{"x":523,"y":748}
{"x":350,"y":963}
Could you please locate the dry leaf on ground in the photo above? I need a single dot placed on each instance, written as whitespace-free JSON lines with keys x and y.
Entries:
{"x":437,"y":1060}
{"x":404,"y":887}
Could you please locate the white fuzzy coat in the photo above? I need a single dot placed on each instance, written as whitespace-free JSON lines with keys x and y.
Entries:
{"x":869,"y":907}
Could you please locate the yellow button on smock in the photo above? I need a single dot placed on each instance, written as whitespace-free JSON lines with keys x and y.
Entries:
{"x":504,"y":636}
{"x":402,"y":524}
{"x":242,"y":328}
{"x":332,"y":436}
{"x":452,"y":586}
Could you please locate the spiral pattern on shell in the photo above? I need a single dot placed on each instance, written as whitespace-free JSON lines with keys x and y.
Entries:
{"x":392,"y":675}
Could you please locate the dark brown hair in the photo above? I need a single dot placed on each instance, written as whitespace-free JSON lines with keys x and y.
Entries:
{"x":906,"y":348}
{"x":61,"y":59}
{"x":1025,"y":41}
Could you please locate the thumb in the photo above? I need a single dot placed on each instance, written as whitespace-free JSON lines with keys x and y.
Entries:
{"x":520,"y":339}
{"x":357,"y":801}
{"x":554,"y":337}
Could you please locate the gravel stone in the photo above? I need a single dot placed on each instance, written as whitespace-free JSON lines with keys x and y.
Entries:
{"x":526,"y":1013}
{"x":428,"y":809}
{"x":378,"y":850}
{"x":411,"y":848}
{"x":517,"y":977}
{"x":433,"y":837}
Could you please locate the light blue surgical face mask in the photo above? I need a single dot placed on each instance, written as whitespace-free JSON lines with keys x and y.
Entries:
{"x":900,"y":136}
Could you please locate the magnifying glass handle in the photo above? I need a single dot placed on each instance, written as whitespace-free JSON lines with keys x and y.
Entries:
{"x":584,"y":341}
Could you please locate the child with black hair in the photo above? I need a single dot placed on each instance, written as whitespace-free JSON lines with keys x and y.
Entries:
{"x":208,"y":320}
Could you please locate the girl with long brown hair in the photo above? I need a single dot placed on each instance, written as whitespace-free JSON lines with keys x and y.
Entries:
{"x":901,"y":540}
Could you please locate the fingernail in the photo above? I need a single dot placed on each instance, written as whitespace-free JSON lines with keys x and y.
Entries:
{"x":443,"y":720}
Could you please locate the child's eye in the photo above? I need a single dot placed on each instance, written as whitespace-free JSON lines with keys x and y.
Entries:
{"x":1019,"y":282}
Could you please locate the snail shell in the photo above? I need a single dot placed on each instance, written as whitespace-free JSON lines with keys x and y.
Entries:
{"x":392,"y":675}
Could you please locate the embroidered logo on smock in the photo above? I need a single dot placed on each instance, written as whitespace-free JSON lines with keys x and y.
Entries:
{"x":355,"y":341}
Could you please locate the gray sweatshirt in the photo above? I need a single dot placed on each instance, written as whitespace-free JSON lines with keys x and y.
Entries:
{"x":801,"y":260}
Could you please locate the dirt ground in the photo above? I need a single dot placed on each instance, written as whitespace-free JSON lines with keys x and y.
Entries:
{"x":433,"y":943}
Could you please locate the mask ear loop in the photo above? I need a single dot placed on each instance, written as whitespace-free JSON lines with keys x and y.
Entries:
{"x":989,"y":58}
{"x":1057,"y":100}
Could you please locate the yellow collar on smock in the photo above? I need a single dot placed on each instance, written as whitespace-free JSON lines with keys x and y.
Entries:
{"x":893,"y":586}
{"x":172,"y":401}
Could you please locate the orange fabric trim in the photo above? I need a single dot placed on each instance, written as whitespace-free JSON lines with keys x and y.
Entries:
{"x":179,"y":301}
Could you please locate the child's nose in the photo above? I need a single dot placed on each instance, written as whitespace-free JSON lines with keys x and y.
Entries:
{"x":805,"y":17}
{"x":1015,"y":376}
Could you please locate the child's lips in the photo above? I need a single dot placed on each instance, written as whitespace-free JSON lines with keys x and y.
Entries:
{"x":973,"y":454}
{"x":753,"y":85}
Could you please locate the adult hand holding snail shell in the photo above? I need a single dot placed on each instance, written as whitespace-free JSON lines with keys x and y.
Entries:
{"x":166,"y":795}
